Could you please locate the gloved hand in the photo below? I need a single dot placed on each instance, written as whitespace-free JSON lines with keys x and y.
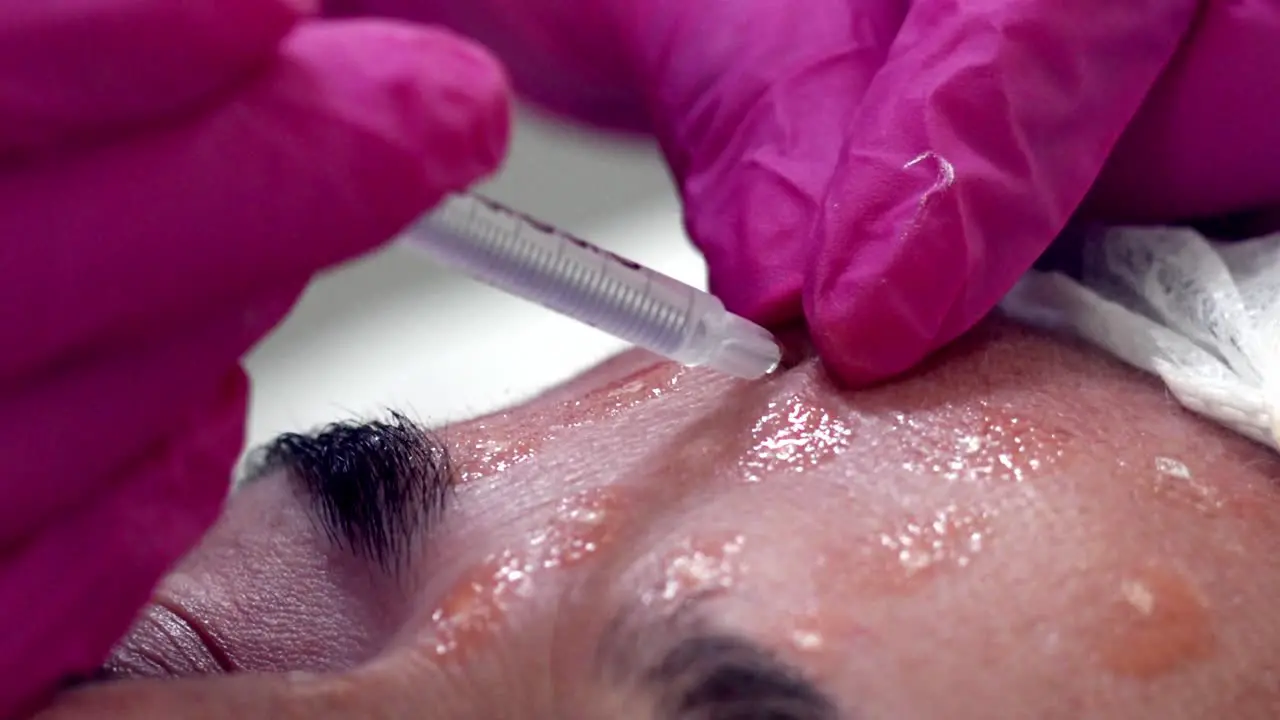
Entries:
{"x":889,"y":169}
{"x":171,"y":174}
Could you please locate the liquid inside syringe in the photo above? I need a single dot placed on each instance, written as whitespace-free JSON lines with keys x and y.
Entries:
{"x":517,"y":254}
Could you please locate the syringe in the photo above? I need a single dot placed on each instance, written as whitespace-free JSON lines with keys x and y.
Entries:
{"x":529,"y":259}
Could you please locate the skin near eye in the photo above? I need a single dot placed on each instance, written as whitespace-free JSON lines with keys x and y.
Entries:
{"x":1022,"y":528}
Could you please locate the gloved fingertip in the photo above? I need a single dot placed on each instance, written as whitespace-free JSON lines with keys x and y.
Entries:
{"x":858,"y":357}
{"x":878,"y":307}
{"x":428,"y":92}
{"x":852,"y":347}
{"x":469,"y":99}
{"x":873,"y":325}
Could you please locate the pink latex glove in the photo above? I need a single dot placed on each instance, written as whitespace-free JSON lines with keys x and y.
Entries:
{"x":172,"y":173}
{"x":888,"y":169}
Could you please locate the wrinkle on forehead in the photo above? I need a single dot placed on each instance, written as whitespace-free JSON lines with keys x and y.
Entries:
{"x":1001,"y":406}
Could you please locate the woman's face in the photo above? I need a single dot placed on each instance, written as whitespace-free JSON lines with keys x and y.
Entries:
{"x":1020,"y":530}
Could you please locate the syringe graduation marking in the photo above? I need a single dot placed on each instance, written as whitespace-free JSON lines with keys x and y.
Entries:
{"x":649,"y":320}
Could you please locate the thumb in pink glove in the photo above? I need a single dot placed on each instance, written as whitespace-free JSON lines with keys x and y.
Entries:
{"x":173,"y":174}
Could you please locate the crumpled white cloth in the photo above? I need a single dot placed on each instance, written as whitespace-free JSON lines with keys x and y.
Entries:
{"x":1202,"y":315}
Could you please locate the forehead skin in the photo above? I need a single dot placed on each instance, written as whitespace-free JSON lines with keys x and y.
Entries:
{"x":1020,"y":529}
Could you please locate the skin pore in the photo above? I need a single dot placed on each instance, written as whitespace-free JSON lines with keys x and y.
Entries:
{"x":1021,"y":529}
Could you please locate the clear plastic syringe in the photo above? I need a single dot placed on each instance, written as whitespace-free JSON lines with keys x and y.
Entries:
{"x":527,"y":258}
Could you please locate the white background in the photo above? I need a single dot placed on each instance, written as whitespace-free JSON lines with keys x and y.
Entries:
{"x":392,"y":331}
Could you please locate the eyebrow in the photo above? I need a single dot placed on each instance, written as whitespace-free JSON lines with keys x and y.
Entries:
{"x":701,"y":672}
{"x":374,"y":486}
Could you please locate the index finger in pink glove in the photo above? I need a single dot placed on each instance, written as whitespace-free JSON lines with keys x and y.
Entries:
{"x":135,"y":277}
{"x":324,"y":157}
{"x":81,"y":70}
{"x":969,"y":152}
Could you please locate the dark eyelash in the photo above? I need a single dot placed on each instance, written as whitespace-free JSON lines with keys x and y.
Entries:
{"x":721,"y":677}
{"x":100,"y":676}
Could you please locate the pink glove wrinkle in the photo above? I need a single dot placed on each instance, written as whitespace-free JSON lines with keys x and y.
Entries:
{"x":972,"y":147}
{"x":149,"y":244}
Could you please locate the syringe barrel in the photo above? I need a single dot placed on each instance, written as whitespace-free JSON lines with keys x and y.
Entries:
{"x":517,"y":254}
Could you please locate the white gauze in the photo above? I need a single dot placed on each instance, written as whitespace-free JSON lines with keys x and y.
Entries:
{"x":1202,"y":315}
